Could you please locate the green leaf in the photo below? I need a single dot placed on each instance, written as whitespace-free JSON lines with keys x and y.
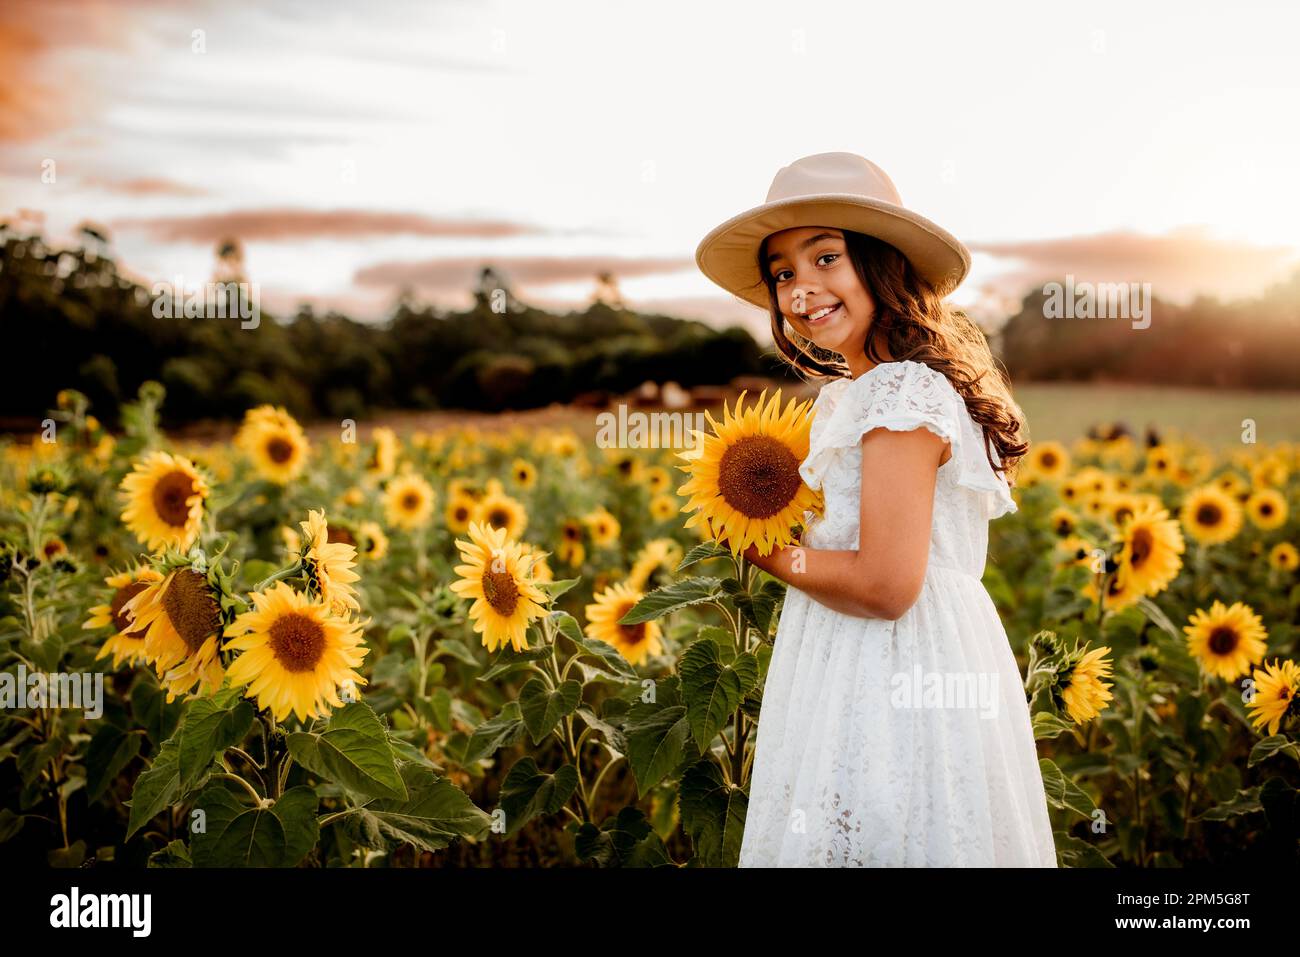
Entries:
{"x":555,"y":589}
{"x":149,"y":704}
{"x":622,"y":840}
{"x":1160,"y":619}
{"x":238,"y":835}
{"x":614,"y":738}
{"x":1062,"y":792}
{"x":542,"y":708}
{"x":155,"y":788}
{"x":209,"y":727}
{"x":497,"y":732}
{"x":353,"y":752}
{"x":1074,"y":852}
{"x":1244,"y":802}
{"x":1274,"y":744}
{"x":607,"y":653}
{"x":713,"y":814}
{"x":661,"y":601}
{"x":435,"y":813}
{"x":509,"y":660}
{"x":528,"y":791}
{"x":713,"y":691}
{"x":109,"y":751}
{"x":656,"y":743}
{"x":701,"y":552}
{"x":1048,"y":725}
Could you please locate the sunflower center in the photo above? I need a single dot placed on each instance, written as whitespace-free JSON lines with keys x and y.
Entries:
{"x":499,"y":518}
{"x":410,"y":501}
{"x":280,"y":450}
{"x":758,"y":476}
{"x":462,"y":513}
{"x":341,"y":535}
{"x":170,"y":494}
{"x":191,"y":608}
{"x":1222,"y":640}
{"x":1265,"y":508}
{"x":1140,"y":547}
{"x":572,"y":532}
{"x":632,"y":634}
{"x":298,"y":641}
{"x":121,"y":621}
{"x":1208,"y":514}
{"x":1049,"y":460}
{"x":501,"y":592}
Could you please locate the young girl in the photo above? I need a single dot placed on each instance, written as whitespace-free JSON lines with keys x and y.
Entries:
{"x":894,"y":728}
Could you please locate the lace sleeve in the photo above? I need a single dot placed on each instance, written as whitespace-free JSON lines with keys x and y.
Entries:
{"x":902,"y":396}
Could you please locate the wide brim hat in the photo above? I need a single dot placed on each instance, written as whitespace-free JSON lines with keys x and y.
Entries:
{"x":842,"y":190}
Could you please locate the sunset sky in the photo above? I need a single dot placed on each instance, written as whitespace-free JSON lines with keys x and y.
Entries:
{"x":357,"y":148}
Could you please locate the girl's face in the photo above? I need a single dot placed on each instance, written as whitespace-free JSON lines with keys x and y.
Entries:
{"x":811,"y":268}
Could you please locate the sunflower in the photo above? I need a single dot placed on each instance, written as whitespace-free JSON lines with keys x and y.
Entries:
{"x":505,"y":597}
{"x":1226,"y":640}
{"x":383,"y":457}
{"x":1160,"y":462}
{"x":1267,"y":508}
{"x":1284,"y":557}
{"x":657,"y":553}
{"x":1233,"y":484}
{"x":1074,"y":550}
{"x":328,"y":565}
{"x":1063,"y":522}
{"x":274,"y":442}
{"x":1084,"y":691}
{"x":657,"y":479}
{"x":1152,"y":542}
{"x":501,"y":511}
{"x":571,"y":549}
{"x":604,"y":527}
{"x":663,"y":507}
{"x":564,"y":445}
{"x":373,"y":542}
{"x":459,"y":512}
{"x":535,"y":563}
{"x":463,"y":488}
{"x":295,"y":654}
{"x":1276,"y":691}
{"x":1270,"y":470}
{"x":127,"y":642}
{"x":408,"y":501}
{"x":1048,"y":460}
{"x":524,"y":473}
{"x":745,"y":477}
{"x":635,"y":642}
{"x":164,"y":497}
{"x":1120,"y":590}
{"x":1211,"y":515}
{"x":626,"y":465}
{"x":181,"y":618}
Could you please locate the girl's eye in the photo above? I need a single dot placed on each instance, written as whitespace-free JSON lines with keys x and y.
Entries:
{"x":778,"y":276}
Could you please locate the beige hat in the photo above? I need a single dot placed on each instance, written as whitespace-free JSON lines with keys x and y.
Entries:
{"x":842,"y":190}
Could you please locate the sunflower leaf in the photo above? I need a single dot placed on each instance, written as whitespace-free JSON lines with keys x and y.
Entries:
{"x":661,"y":601}
{"x":109,"y":751}
{"x":1243,"y":802}
{"x":1160,"y":619}
{"x":703,"y":552}
{"x":713,"y":690}
{"x":713,"y":814}
{"x":658,"y":737}
{"x":211,"y":725}
{"x":611,"y":656}
{"x":528,"y":791}
{"x":353,"y":751}
{"x":1273,"y":744}
{"x":543,"y":707}
{"x":555,"y":589}
{"x":1062,"y":792}
{"x":506,"y":728}
{"x":435,"y":813}
{"x":1048,"y":725}
{"x":157,"y":787}
{"x":234,"y":834}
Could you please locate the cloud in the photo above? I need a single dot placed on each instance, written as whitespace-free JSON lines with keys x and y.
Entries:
{"x":280,"y":225}
{"x":143,"y":186}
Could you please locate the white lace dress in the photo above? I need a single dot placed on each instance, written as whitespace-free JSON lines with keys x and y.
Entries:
{"x":898,"y":743}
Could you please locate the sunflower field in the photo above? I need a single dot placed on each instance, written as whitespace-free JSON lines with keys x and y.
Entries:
{"x":513,"y":647}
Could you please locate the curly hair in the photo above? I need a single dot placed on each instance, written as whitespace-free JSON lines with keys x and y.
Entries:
{"x":915,"y":323}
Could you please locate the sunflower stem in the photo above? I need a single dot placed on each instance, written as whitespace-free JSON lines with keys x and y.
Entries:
{"x":287,"y":572}
{"x":231,"y":776}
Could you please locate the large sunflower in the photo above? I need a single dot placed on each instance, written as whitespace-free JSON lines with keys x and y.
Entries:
{"x":328,"y":565}
{"x":1152,"y":542}
{"x":164,"y":497}
{"x":181,"y":618}
{"x":745,"y":477}
{"x":1211,"y":515}
{"x":505,"y":597}
{"x":635,"y":642}
{"x":295,"y":653}
{"x":127,"y":641}
{"x":274,"y":442}
{"x":1226,"y":640}
{"x":1084,"y":692}
{"x":1277,"y":689}
{"x":408,"y":501}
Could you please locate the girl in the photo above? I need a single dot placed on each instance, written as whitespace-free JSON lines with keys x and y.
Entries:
{"x":894,"y":728}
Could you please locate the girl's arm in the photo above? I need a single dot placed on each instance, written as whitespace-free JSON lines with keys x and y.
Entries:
{"x":881,"y":578}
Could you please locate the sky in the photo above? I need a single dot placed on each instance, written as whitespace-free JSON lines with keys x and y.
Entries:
{"x":356,"y":149}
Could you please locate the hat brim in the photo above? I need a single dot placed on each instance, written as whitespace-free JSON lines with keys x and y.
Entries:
{"x":728,"y":255}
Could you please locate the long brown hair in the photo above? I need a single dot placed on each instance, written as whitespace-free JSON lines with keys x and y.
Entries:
{"x":915,"y":323}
